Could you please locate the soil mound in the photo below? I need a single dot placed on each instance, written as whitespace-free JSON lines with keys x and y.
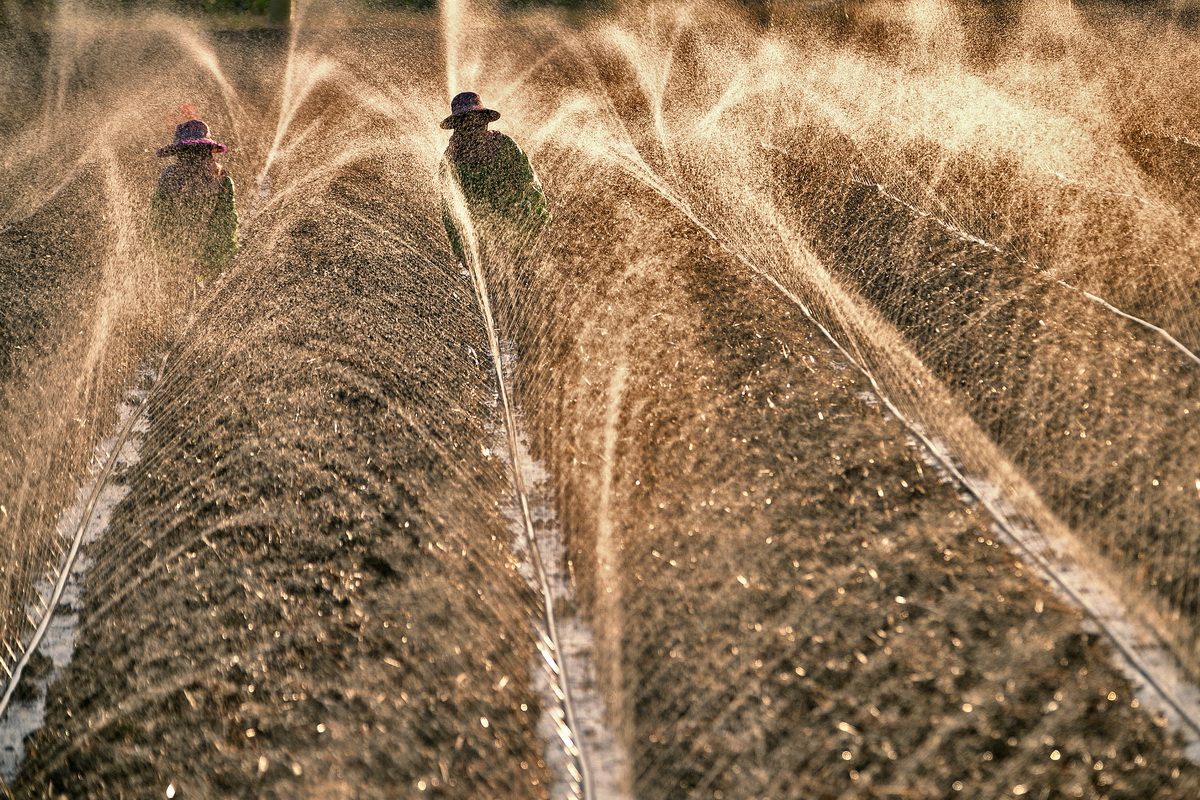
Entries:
{"x":310,"y":591}
{"x":49,"y":271}
{"x":791,"y":602}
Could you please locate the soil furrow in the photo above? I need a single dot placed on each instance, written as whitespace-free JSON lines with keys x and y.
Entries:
{"x":1034,"y":362}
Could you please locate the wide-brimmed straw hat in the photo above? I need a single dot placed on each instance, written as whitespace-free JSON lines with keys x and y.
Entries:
{"x":465,"y":104}
{"x":192,"y":133}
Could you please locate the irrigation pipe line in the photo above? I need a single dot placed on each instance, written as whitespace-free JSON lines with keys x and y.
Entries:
{"x":965,"y":236}
{"x":579,"y":756}
{"x":1145,"y":323}
{"x":68,"y":562}
{"x":1001,"y":519}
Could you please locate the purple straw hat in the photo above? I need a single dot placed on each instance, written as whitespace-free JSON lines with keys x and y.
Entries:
{"x":191,"y":134}
{"x":466,"y":103}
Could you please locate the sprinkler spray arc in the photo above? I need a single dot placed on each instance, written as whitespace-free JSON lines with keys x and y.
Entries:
{"x":452,"y":13}
{"x":290,"y":176}
{"x":63,"y":571}
{"x":1162,"y":333}
{"x":1187,"y":717}
{"x":582,"y":785}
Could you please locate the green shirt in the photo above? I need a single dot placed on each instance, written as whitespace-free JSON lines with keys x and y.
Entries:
{"x":204,"y":228}
{"x":502,"y":193}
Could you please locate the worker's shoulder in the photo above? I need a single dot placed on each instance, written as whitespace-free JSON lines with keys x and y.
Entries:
{"x":170,"y":172}
{"x":505,"y":143}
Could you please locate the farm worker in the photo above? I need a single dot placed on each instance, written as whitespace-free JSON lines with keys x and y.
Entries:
{"x":192,"y":212}
{"x":501,"y":192}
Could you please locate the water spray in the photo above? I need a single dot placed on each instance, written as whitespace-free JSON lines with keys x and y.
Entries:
{"x":581,"y":775}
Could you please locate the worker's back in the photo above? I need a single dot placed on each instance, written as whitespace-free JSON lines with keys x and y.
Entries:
{"x":501,"y":195}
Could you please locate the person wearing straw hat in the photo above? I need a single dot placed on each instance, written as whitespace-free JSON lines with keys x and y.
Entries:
{"x":192,"y":212}
{"x":491,"y":175}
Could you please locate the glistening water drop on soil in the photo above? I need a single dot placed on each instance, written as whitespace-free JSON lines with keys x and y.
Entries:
{"x":778,"y":231}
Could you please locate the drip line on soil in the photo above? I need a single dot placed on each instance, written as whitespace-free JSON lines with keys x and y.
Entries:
{"x":965,"y":236}
{"x":68,"y":560}
{"x":574,"y":746}
{"x":1144,"y":323}
{"x":1136,"y":664}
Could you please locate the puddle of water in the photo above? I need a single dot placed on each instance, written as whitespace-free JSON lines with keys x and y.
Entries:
{"x":26,"y":711}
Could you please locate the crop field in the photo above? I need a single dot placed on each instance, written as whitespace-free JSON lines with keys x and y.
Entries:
{"x":836,"y":439}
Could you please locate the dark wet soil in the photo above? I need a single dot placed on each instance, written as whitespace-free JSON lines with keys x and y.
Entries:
{"x":1038,"y":362}
{"x":66,"y":355}
{"x":801,"y":608}
{"x":310,"y":591}
{"x":49,"y":269}
{"x":1171,"y":162}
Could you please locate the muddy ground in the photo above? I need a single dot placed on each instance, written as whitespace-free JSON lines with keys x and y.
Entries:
{"x":1037,"y":362}
{"x":311,"y":592}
